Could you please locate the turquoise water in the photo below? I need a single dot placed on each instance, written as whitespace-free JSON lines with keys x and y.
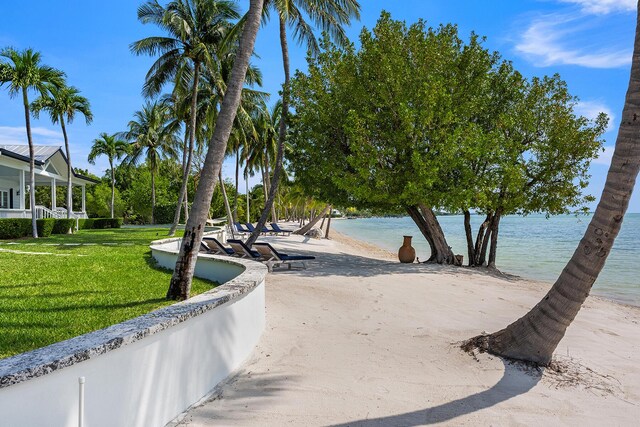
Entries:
{"x":532,"y":246}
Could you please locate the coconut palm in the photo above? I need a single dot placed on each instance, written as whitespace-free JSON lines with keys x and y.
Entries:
{"x":536,"y":335}
{"x":180,"y":286}
{"x":62,"y":103}
{"x":195,"y":29}
{"x":23,"y":71}
{"x":152,"y":136}
{"x":330,"y":16}
{"x":114,"y":149}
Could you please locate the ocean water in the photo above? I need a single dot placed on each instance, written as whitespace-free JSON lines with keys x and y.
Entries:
{"x":534,"y":246}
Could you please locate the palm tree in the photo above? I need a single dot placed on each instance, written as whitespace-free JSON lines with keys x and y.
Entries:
{"x":114,"y":149}
{"x":153,"y":137}
{"x":180,"y":286}
{"x":195,"y":28}
{"x":329,"y":15}
{"x":63,"y":103}
{"x":23,"y":72}
{"x":536,"y":335}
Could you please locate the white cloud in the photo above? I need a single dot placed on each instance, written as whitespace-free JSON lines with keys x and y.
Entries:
{"x":591,"y":109}
{"x":548,"y":41}
{"x":603,"y":7}
{"x":17,"y":135}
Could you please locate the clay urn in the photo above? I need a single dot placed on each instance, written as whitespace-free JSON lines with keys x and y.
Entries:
{"x":406,"y":253}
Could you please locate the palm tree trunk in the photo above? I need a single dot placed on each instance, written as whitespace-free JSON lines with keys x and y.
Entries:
{"x":246,"y":184}
{"x":69,"y":170}
{"x":32,"y":166}
{"x":326,"y":234}
{"x":227,"y":207}
{"x":113,"y":187}
{"x":153,"y":195}
{"x":282,"y":134}
{"x":235,"y":199}
{"x":313,"y":221}
{"x":180,"y":286}
{"x":192,"y":134}
{"x":535,"y":336}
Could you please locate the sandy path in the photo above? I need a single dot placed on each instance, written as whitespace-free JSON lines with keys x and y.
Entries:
{"x":358,"y":339}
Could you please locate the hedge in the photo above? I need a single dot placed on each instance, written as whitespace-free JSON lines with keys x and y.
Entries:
{"x":63,"y":225}
{"x":100,"y":223}
{"x":45,"y":226}
{"x":14,"y":228}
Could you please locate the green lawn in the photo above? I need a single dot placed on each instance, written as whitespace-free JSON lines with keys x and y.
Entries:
{"x":107,"y":279}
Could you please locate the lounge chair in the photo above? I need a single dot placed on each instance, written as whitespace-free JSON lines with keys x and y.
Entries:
{"x":276,"y":228}
{"x":216,"y":247}
{"x":252,"y":228}
{"x":273,"y":258}
{"x":240,"y":228}
{"x":243,"y":251}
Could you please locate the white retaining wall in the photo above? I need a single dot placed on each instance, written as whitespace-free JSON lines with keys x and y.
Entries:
{"x":143,"y":372}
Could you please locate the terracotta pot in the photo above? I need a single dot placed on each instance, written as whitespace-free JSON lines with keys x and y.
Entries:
{"x":406,"y":253}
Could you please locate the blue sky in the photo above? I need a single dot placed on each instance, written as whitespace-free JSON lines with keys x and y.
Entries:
{"x":588,"y":42}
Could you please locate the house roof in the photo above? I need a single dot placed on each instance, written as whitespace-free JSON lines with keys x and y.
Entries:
{"x":42,"y":153}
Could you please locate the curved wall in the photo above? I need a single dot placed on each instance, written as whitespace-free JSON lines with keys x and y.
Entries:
{"x":148,"y":370}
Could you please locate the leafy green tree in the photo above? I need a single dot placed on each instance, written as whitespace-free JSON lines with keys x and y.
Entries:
{"x":114,"y":149}
{"x":331,"y":16}
{"x":62,"y":103}
{"x":103,"y":201}
{"x":152,"y":137}
{"x":535,"y":336}
{"x":23,"y":71}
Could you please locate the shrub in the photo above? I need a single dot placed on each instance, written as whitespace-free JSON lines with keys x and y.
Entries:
{"x":62,"y":225}
{"x":45,"y":226}
{"x":85,"y":224}
{"x":163,"y":214}
{"x":14,"y":228}
{"x":100,"y":223}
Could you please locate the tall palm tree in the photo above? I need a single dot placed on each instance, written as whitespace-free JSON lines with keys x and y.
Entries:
{"x":114,"y":149}
{"x":536,"y":335}
{"x":329,"y":15}
{"x":63,"y":103}
{"x":195,"y":29}
{"x":152,"y":136}
{"x":180,"y":286}
{"x":23,"y":71}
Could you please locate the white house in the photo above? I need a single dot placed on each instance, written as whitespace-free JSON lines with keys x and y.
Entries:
{"x":51,"y":169}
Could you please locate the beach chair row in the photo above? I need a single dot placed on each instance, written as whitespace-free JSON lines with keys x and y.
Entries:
{"x":260,"y":251}
{"x":249,"y":228}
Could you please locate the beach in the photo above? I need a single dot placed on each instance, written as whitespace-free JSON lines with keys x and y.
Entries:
{"x":358,"y":339}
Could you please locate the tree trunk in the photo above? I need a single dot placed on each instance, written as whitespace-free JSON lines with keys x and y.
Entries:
{"x":153,"y":195}
{"x":486,"y":238}
{"x":69,"y":170}
{"x":282,"y":134}
{"x":326,"y":235}
{"x":480,"y":240}
{"x":32,"y":166}
{"x":494,"y":238}
{"x":429,"y":226}
{"x":467,"y":231}
{"x":304,"y":230}
{"x":180,"y":286}
{"x":227,"y":207}
{"x":192,"y":135}
{"x":235,"y":199}
{"x":417,"y":218}
{"x":113,"y":187}
{"x":246,"y":185}
{"x":536,"y":335}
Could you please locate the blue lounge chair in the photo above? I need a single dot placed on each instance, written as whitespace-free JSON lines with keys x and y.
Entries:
{"x":276,"y":228}
{"x":214,"y":246}
{"x":273,"y":258}
{"x":242,"y":250}
{"x":252,"y":228}
{"x":240,"y":228}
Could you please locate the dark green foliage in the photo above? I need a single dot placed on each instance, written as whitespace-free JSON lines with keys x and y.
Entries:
{"x":62,"y":225}
{"x":85,"y":224}
{"x":15,"y":228}
{"x":164,"y":213}
{"x":45,"y":226}
{"x":102,"y":223}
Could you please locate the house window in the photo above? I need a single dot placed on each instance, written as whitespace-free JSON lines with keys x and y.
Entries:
{"x":4,"y":199}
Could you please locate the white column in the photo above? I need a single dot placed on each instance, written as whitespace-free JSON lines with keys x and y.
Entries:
{"x":23,"y":190}
{"x":53,"y":194}
{"x":83,"y":196}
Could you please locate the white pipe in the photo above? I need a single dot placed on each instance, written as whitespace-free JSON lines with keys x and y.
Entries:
{"x":81,"y":402}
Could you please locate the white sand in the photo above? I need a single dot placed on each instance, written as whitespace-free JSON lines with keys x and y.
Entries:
{"x":358,"y":339}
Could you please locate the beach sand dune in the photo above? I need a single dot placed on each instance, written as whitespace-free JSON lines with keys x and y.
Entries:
{"x":358,"y":339}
